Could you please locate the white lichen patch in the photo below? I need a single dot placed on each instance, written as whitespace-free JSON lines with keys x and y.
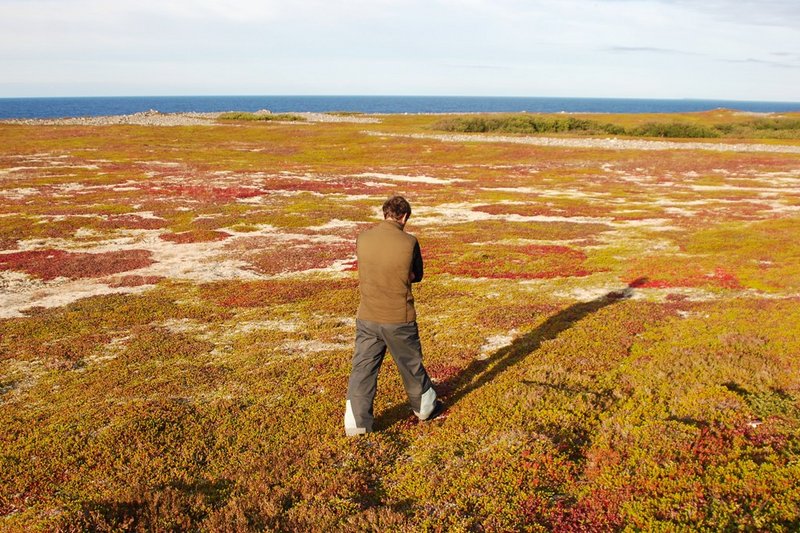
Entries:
{"x":407,"y":179}
{"x":14,"y":282}
{"x":56,"y":293}
{"x":19,"y":193}
{"x":457,"y":213}
{"x":495,"y":343}
{"x":334,"y":224}
{"x":285,"y":326}
{"x":314,"y":346}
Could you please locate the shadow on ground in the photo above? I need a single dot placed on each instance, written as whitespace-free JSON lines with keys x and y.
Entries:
{"x":480,"y":372}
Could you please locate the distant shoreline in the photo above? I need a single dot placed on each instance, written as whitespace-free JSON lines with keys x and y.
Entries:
{"x":72,"y":107}
{"x":157,"y":119}
{"x":194,"y":118}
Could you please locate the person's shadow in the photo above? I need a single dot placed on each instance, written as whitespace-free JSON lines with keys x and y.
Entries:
{"x":477,"y":373}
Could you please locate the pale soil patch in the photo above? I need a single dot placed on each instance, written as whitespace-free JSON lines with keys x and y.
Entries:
{"x":57,"y":293}
{"x":496,"y":342}
{"x":155,"y":118}
{"x":461,"y":212}
{"x":680,"y":211}
{"x":285,"y":326}
{"x":11,"y":281}
{"x":184,"y":325}
{"x":592,"y":293}
{"x":19,"y":193}
{"x":528,"y":242}
{"x":314,"y":346}
{"x":199,"y":262}
{"x":408,"y":179}
{"x":327,"y":117}
{"x":653,"y":224}
{"x":572,"y":194}
{"x":587,"y":294}
{"x":607,"y":144}
{"x":147,"y":118}
{"x":737,"y":188}
{"x":253,"y":200}
{"x":20,"y":375}
{"x":334,"y":224}
{"x":109,"y":351}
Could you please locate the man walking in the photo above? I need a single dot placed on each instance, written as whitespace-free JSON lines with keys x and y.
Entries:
{"x":389,"y":261}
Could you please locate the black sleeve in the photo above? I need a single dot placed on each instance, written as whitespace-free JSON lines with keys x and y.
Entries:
{"x":416,"y":264}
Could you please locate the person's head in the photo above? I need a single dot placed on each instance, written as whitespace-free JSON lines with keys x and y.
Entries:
{"x":397,"y":208}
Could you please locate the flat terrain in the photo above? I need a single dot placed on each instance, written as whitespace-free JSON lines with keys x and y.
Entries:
{"x":613,"y":323}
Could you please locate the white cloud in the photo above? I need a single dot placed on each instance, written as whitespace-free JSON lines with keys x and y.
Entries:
{"x":629,"y":48}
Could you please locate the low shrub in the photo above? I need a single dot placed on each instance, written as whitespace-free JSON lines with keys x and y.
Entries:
{"x":285,"y":117}
{"x":673,"y":130}
{"x":527,"y":124}
{"x":776,"y":128}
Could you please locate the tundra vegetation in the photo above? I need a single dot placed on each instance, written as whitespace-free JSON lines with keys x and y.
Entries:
{"x":784,"y":127}
{"x":615,"y":333}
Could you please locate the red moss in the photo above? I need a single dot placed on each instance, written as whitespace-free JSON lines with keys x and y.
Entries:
{"x":295,"y":256}
{"x":135,"y":281}
{"x":187,"y":237}
{"x":507,"y":261}
{"x":719,"y":278}
{"x":50,"y":264}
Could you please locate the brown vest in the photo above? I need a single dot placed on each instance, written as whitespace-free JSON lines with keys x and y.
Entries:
{"x":385,"y":259}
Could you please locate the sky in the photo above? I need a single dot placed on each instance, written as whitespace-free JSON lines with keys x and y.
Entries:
{"x":700,"y":49}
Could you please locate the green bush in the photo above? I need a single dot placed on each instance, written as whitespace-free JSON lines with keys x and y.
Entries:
{"x":260,"y":116}
{"x":673,"y":130}
{"x":527,"y":124}
{"x":775,"y":128}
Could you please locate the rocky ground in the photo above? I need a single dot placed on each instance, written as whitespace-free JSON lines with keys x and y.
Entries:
{"x":156,"y":118}
{"x":608,"y":143}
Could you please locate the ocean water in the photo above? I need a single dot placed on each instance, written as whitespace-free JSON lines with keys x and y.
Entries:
{"x":95,"y":106}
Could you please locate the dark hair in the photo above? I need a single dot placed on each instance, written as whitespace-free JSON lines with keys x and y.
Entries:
{"x":396,"y":208}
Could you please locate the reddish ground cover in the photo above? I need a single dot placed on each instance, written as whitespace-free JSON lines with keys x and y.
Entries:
{"x":186,"y":237}
{"x":134,"y":281}
{"x":50,"y":264}
{"x":297,"y":256}
{"x":597,"y":376}
{"x":506,"y":261}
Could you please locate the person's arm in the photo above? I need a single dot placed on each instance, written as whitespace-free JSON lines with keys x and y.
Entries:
{"x":416,"y":265}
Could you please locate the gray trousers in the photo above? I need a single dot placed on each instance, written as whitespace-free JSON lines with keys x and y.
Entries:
{"x":372,"y":340}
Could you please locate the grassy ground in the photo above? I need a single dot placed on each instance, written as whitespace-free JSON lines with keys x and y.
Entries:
{"x":615,"y":333}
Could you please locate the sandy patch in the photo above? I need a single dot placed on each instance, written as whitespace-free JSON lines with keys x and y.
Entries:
{"x":22,"y":375}
{"x":680,"y":211}
{"x":13,"y":282}
{"x":335,"y":224}
{"x":327,"y":117}
{"x":653,"y":224}
{"x":314,"y":346}
{"x":737,"y":188}
{"x":285,"y":326}
{"x":496,"y":342}
{"x":607,"y":144}
{"x":572,"y":194}
{"x":457,"y":213}
{"x":56,"y":294}
{"x":407,"y":179}
{"x":19,"y":194}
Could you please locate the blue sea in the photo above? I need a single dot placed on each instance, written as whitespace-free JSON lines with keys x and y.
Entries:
{"x":96,"y":106}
